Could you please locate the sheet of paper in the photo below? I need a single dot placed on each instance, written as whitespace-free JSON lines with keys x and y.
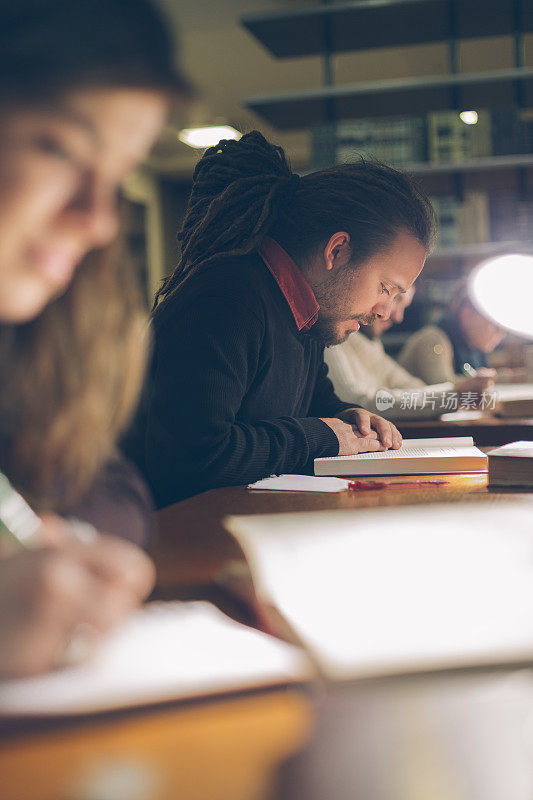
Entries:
{"x":300,"y":483}
{"x":462,"y":416}
{"x":400,"y":589}
{"x":164,"y":651}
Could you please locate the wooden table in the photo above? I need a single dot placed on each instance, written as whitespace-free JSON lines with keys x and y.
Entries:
{"x":192,"y":546}
{"x":227,"y":749}
{"x":456,"y":735}
{"x":487,"y":431}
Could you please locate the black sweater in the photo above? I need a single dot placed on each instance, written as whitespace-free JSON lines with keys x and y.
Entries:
{"x":235,"y":390}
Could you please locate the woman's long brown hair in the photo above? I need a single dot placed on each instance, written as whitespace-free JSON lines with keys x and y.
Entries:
{"x":70,"y":381}
{"x":71,"y":377}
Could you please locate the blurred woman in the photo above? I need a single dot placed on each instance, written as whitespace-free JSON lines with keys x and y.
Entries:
{"x":363,"y":373}
{"x":84,"y":90}
{"x":456,"y":347}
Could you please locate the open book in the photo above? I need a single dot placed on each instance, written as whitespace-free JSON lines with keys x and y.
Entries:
{"x":165,"y":651}
{"x":415,"y":457}
{"x":392,"y":590}
{"x":514,"y":400}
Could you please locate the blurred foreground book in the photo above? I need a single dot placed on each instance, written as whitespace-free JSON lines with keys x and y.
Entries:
{"x":399,"y":589}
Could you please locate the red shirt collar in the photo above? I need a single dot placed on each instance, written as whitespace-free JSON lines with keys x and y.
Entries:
{"x":292,"y":283}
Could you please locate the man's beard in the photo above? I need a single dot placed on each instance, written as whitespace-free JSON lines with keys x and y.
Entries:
{"x":325,"y":332}
{"x":325,"y":329}
{"x":333,"y":310}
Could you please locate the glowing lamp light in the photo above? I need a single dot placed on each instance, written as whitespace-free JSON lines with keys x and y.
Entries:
{"x":207,"y":136}
{"x":502,"y":290}
{"x":468,"y":117}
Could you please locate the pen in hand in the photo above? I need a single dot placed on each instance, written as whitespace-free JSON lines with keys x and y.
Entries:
{"x":17,"y":519}
{"x":20,"y":523}
{"x":469,"y":370}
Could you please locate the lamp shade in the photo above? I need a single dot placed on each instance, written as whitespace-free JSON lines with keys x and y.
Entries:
{"x":502,"y":289}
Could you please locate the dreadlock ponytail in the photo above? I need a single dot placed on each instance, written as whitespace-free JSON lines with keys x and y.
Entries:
{"x":238,"y":188}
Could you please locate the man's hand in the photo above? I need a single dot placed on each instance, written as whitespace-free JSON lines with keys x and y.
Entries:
{"x":351,"y":441}
{"x":367,"y":424}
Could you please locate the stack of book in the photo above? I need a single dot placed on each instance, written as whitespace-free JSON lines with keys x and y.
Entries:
{"x":439,"y":137}
{"x":511,"y":218}
{"x":398,"y":141}
{"x":511,"y":131}
{"x":450,"y":140}
{"x":511,"y":465}
{"x":465,"y":222}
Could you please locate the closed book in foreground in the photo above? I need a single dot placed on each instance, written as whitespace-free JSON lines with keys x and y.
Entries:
{"x":511,"y":465}
{"x":396,"y":590}
{"x":415,"y":457}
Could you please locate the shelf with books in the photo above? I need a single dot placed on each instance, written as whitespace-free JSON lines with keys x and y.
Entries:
{"x":369,"y":24}
{"x":491,"y":89}
{"x":452,"y":263}
{"x":487,"y":164}
{"x":479,"y":250}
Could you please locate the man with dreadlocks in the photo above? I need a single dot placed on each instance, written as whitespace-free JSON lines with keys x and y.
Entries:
{"x":273,"y":268}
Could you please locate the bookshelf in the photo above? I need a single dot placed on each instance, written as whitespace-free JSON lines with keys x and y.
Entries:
{"x":370,"y":24}
{"x":494,"y":89}
{"x":502,"y":170}
{"x":488,"y":164}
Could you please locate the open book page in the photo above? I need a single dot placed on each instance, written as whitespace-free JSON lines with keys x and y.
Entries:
{"x":446,"y":441}
{"x":411,"y":452}
{"x":411,"y":448}
{"x":415,"y":456}
{"x":164,"y":651}
{"x":513,"y":391}
{"x":399,"y":589}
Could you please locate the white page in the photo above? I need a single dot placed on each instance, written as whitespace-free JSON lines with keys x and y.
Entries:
{"x":399,"y":589}
{"x":300,"y":483}
{"x":163,"y":651}
{"x":445,"y":441}
{"x":519,"y":449}
{"x":462,"y":416}
{"x":410,"y":452}
{"x":413,"y":447}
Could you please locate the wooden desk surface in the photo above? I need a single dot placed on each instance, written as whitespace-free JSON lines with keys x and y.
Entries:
{"x":465,"y":735}
{"x":222,"y":750}
{"x":487,"y":431}
{"x":192,"y":545}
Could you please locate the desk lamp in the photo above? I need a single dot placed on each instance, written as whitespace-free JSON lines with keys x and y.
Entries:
{"x":502,"y":290}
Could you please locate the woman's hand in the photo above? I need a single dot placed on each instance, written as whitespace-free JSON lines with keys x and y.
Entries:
{"x":48,"y":594}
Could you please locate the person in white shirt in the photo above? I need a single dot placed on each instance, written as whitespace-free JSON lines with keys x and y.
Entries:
{"x":363,"y":373}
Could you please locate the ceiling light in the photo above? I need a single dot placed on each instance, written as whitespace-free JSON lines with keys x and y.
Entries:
{"x":207,"y":135}
{"x":468,"y":117}
{"x":501,"y":289}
